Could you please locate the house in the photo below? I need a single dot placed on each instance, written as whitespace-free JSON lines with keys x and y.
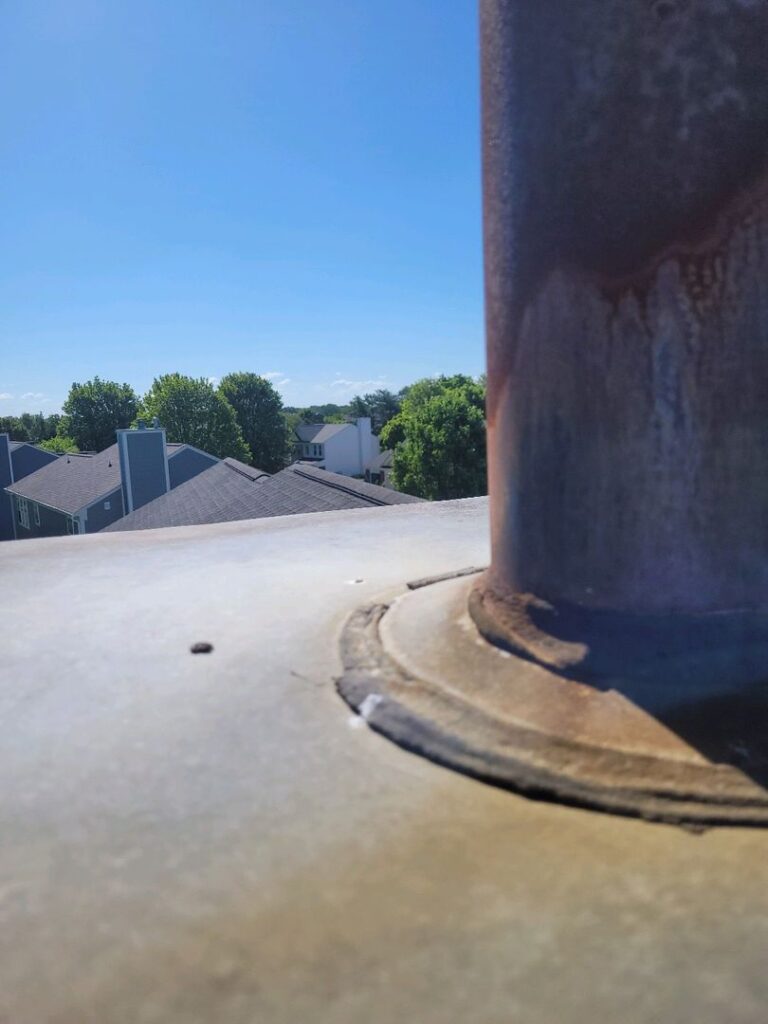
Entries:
{"x":380,"y":471}
{"x":230,"y":491}
{"x":83,"y":493}
{"x":17,"y":460}
{"x":345,"y":448}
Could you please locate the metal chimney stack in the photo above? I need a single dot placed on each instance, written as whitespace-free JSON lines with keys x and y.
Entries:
{"x":626,"y":234}
{"x":626,"y":259}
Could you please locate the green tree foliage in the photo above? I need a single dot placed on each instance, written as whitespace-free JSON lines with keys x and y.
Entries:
{"x":30,"y":426}
{"x":59,"y":444}
{"x":381,"y":406}
{"x":193,"y":412}
{"x":95,"y":410}
{"x":438,"y":439}
{"x":292,"y":418}
{"x":12,"y":425}
{"x":259,"y":411}
{"x":328,"y":413}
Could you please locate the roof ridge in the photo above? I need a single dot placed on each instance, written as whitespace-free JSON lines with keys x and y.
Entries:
{"x":340,"y":487}
{"x":234,"y":465}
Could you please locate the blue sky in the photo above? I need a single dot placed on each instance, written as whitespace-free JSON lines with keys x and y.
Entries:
{"x":285,"y":186}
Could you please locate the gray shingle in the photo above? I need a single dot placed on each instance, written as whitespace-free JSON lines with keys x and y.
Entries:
{"x":73,"y":481}
{"x":230,"y":491}
{"x":249,"y":471}
{"x":371,"y":494}
{"x":217,"y":495}
{"x":318,"y":433}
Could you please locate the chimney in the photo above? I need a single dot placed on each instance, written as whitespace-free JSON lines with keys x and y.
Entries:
{"x":627,"y":324}
{"x":143,"y":466}
{"x":7,"y":530}
{"x":364,"y":441}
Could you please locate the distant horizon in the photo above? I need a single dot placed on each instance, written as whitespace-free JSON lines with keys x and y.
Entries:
{"x":11,"y":405}
{"x":293,"y":189}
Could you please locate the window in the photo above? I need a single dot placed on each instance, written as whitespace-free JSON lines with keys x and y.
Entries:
{"x":73,"y":525}
{"x":37,"y":514}
{"x":317,"y":449}
{"x":107,"y":506}
{"x":23,"y":513}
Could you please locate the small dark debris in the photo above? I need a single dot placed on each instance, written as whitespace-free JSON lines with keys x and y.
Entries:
{"x":695,"y":828}
{"x":201,"y":648}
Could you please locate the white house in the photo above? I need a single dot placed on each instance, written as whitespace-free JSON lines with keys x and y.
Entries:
{"x":346,"y":448}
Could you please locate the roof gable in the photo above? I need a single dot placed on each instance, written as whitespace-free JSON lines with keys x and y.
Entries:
{"x":74,"y":481}
{"x":319,"y":433}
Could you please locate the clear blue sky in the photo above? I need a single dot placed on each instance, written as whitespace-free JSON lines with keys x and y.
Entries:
{"x":285,"y":186}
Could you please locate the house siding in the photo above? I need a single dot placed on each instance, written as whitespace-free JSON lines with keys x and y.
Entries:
{"x":52,"y":522}
{"x":349,"y":451}
{"x":28,"y":459}
{"x":342,"y":453}
{"x":97,"y":517}
{"x":187,"y":463}
{"x":6,"y":478}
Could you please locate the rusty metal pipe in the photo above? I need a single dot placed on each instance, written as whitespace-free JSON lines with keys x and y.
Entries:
{"x":626,"y":251}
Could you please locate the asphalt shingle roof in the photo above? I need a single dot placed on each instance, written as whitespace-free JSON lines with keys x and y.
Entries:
{"x":383,"y":461}
{"x":363,"y":493}
{"x":225,"y":493}
{"x":74,"y":481}
{"x":319,"y":432}
{"x":217,"y":495}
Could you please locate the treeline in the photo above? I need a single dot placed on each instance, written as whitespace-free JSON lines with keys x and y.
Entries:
{"x":241,"y":418}
{"x":30,"y":426}
{"x":379,"y":405}
{"x":435,"y":427}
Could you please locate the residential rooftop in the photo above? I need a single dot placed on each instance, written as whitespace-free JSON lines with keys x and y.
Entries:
{"x":230,"y":492}
{"x":75,"y":480}
{"x":319,"y":433}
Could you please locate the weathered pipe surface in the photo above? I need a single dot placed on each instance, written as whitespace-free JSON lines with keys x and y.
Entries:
{"x":626,"y":228}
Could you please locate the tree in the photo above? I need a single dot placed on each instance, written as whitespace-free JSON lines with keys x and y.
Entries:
{"x":193,"y":412}
{"x":33,"y":427}
{"x":60,"y":445}
{"x":439,"y":439}
{"x":328,"y":413}
{"x":95,"y":410}
{"x":259,"y":411}
{"x":13,"y":426}
{"x":381,"y":406}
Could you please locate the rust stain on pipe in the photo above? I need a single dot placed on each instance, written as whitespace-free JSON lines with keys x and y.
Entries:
{"x":626,"y":228}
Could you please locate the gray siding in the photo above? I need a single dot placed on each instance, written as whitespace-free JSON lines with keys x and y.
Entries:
{"x":98,"y":517}
{"x":28,"y":459}
{"x":147,"y":466}
{"x":187,"y":463}
{"x":6,"y":478}
{"x":52,"y":523}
